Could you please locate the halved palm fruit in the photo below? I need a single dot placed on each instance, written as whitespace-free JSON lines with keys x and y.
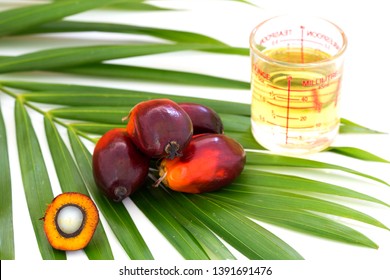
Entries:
{"x":70,"y":221}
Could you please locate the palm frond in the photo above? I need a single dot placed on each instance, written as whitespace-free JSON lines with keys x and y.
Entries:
{"x":72,"y":56}
{"x":36,"y":182}
{"x":7,"y":251}
{"x":198,"y":226}
{"x":116,"y":214}
{"x":70,"y":180}
{"x":16,"y":20}
{"x":80,"y":26}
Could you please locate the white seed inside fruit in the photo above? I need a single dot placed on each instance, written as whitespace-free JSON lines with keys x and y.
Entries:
{"x":70,"y":219}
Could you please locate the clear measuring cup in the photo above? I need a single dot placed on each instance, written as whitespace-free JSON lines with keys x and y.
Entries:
{"x":297,"y":65}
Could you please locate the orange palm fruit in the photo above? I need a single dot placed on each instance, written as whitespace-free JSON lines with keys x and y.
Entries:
{"x":208,"y":163}
{"x":70,"y":221}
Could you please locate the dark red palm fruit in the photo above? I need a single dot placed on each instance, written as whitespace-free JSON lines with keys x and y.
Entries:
{"x":204,"y":119}
{"x":119,"y":168}
{"x":208,"y":163}
{"x":159,"y":128}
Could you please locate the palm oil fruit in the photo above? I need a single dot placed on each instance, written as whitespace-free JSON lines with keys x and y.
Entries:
{"x":208,"y":163}
{"x":119,"y":168}
{"x":204,"y":119}
{"x":159,"y":128}
{"x":70,"y":221}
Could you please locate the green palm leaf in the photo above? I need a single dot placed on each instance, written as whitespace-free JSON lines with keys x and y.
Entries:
{"x":93,"y":96}
{"x":308,"y":222}
{"x":357,"y":153}
{"x":252,"y":180}
{"x":7,"y":249}
{"x":77,"y":26}
{"x":71,"y":181}
{"x":16,"y":20}
{"x":197,"y":226}
{"x":213,"y":247}
{"x":36,"y":181}
{"x":270,"y":199}
{"x":348,"y":126}
{"x":116,"y":214}
{"x":258,"y":158}
{"x":134,"y":7}
{"x":154,"y":75}
{"x":178,"y":236}
{"x":71,"y":56}
{"x":236,"y":229}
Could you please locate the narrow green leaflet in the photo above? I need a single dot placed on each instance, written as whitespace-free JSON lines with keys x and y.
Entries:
{"x":307,"y":222}
{"x":246,"y":236}
{"x":246,"y":139}
{"x":214,"y":248}
{"x":357,"y":153}
{"x":131,"y":5}
{"x":246,"y":2}
{"x":154,"y":75}
{"x":275,"y":199}
{"x":82,"y":26}
{"x":16,"y":20}
{"x":253,"y":180}
{"x":72,"y":56}
{"x":116,"y":99}
{"x":234,"y":123}
{"x":71,"y":181}
{"x":81,"y":95}
{"x":7,"y":249}
{"x":94,"y":128}
{"x":183,"y":241}
{"x":348,"y":126}
{"x":116,"y":214}
{"x":104,"y":115}
{"x":36,"y":181}
{"x":264,"y":159}
{"x":134,"y":7}
{"x":150,"y":75}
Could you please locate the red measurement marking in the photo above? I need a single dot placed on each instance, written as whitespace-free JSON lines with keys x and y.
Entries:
{"x":291,"y":127}
{"x":316,"y":100}
{"x":298,"y":39}
{"x":294,"y":99}
{"x":289,"y":78}
{"x":284,"y":117}
{"x":290,"y":107}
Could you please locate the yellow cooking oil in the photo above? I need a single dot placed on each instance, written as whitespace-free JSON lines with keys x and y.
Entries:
{"x":295,"y":99}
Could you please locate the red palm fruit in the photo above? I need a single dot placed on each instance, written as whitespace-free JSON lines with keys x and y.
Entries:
{"x":119,"y":168}
{"x":208,"y":163}
{"x":204,"y":119}
{"x":159,"y":128}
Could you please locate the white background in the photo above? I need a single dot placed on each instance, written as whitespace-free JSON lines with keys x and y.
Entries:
{"x":365,"y":100}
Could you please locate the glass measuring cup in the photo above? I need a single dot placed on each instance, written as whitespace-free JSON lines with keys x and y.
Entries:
{"x":297,"y":65}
